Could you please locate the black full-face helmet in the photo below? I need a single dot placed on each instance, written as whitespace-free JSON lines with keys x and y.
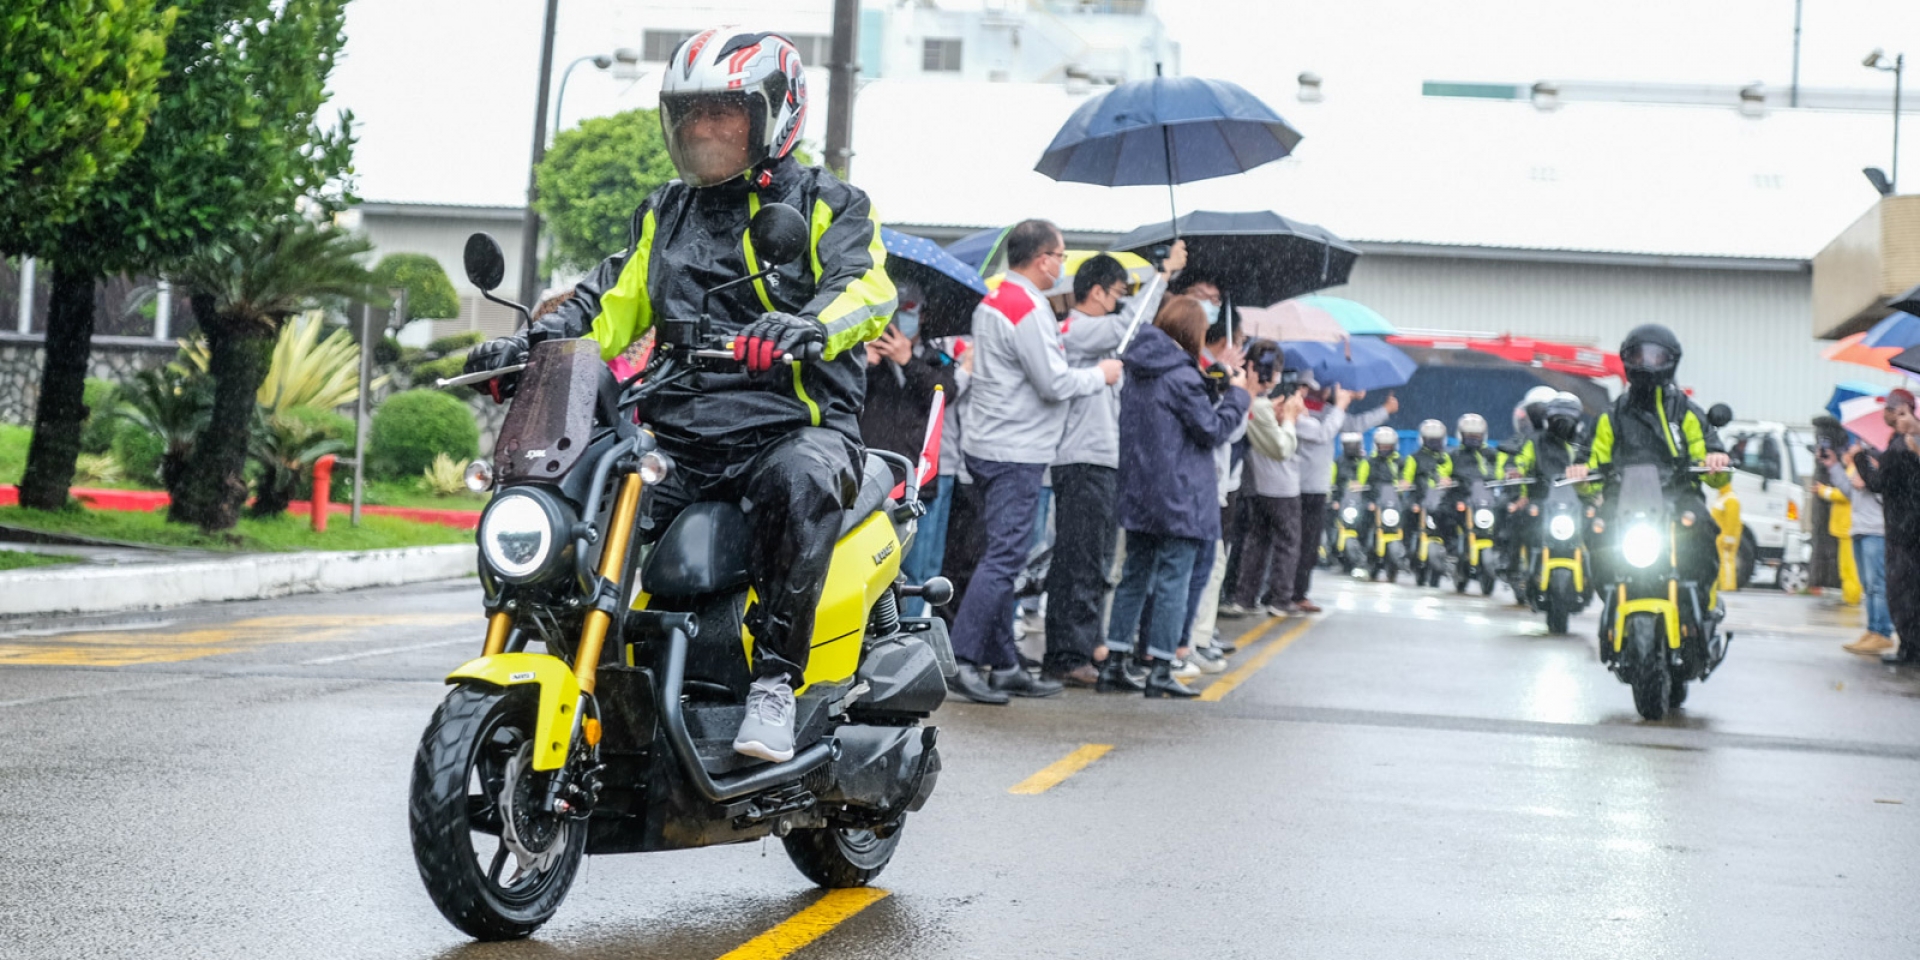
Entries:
{"x":1651,"y":354}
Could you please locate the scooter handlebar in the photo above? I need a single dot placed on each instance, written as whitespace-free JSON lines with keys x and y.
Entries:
{"x":480,"y":376}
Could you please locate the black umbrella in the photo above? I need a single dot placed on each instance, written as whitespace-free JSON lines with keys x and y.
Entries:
{"x":1450,"y":383}
{"x":1908,"y":302}
{"x":1256,"y":258}
{"x":1908,"y":360}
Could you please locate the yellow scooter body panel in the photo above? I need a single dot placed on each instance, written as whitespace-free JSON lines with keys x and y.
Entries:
{"x":1550,"y":563}
{"x":865,"y":563}
{"x":559,"y":697}
{"x":1667,"y":608}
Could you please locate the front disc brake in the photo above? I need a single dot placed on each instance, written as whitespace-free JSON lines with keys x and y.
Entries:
{"x":534,"y":837}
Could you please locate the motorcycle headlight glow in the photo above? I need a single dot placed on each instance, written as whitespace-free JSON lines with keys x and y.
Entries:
{"x":1483,"y":518}
{"x":1390,"y":517}
{"x":1641,"y":544}
{"x":1350,"y":514}
{"x":519,"y":536}
{"x":1431,"y":523}
{"x":1561,"y":526}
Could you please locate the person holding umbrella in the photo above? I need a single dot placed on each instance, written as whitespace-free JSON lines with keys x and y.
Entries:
{"x":1016,"y":412}
{"x":1896,"y":478}
{"x":1085,"y":473}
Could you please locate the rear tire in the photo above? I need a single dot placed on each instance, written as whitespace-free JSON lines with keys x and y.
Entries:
{"x":1677,"y":695}
{"x":1749,"y":556}
{"x":837,"y":858}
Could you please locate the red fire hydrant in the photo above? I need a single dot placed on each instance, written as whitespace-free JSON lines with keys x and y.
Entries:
{"x":322,"y":489}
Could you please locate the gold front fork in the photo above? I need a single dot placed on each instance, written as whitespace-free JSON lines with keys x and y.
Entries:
{"x":613,"y":561}
{"x":498,"y":626}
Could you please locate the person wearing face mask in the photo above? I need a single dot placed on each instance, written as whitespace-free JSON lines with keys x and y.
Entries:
{"x":1016,"y":413}
{"x":900,"y":384}
{"x":1085,"y":472}
{"x":1545,"y":458}
{"x":1654,"y":422}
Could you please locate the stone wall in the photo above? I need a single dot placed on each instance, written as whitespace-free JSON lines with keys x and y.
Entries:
{"x":114,"y":358}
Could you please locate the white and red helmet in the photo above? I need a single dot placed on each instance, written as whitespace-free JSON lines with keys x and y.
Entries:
{"x":758,"y":69}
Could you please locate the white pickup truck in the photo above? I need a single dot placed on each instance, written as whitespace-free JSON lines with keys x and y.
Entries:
{"x":1773,"y":475}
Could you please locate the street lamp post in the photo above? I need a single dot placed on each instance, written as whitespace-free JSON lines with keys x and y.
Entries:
{"x":1898,"y":67}
{"x":600,"y":61}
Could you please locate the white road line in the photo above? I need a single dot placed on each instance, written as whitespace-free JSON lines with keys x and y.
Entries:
{"x":101,"y":628}
{"x":342,"y":658}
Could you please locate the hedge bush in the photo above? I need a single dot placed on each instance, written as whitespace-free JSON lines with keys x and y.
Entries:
{"x":96,"y":432}
{"x":411,"y":428}
{"x":138,"y":452}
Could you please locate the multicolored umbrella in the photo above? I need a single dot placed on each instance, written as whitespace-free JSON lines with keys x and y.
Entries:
{"x":1878,"y":346}
{"x":1862,"y":418}
{"x":1139,"y":271}
{"x":1849,"y":390}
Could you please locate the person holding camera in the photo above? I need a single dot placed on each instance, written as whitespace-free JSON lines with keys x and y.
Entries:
{"x":1846,"y":473}
{"x":1271,"y":545}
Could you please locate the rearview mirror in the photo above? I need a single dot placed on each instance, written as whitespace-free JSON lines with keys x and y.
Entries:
{"x":1719,"y":415}
{"x":486,"y":265}
{"x":778,"y":232}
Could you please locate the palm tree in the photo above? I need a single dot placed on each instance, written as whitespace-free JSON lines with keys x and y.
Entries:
{"x":285,"y":447}
{"x":241,"y":294}
{"x":170,"y":403}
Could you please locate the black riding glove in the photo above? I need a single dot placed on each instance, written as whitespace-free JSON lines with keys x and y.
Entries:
{"x":776,"y":336}
{"x":492,"y":355}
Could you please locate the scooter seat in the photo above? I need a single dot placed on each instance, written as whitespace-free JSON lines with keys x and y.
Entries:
{"x":876,"y":482}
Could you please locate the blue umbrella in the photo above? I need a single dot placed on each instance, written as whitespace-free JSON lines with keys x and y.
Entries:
{"x":977,"y":250}
{"x":951,"y":288}
{"x":1362,"y":363}
{"x":1849,"y":390}
{"x":1167,"y":130}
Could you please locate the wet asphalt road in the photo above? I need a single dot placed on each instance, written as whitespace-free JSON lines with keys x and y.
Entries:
{"x":1412,"y":775}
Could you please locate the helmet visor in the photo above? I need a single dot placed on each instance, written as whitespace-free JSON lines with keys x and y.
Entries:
{"x":711,"y":137}
{"x":1647,"y":356}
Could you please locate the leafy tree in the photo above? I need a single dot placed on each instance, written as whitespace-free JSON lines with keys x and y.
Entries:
{"x":79,"y":81}
{"x":233,"y":143}
{"x":430,"y":294}
{"x":593,"y":178}
{"x":242,"y":293}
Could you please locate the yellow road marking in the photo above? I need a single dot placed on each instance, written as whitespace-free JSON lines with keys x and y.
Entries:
{"x":1218,"y":689}
{"x":808,"y":925}
{"x":106,"y":647}
{"x":1061,"y":769}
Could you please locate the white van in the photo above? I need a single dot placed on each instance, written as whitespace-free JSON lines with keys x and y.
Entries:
{"x":1774,"y":472}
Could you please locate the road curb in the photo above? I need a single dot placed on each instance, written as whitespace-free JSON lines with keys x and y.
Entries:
{"x":261,"y":576}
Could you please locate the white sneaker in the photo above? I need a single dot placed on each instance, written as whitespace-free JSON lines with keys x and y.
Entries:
{"x":767,"y":730}
{"x":1186,"y":670}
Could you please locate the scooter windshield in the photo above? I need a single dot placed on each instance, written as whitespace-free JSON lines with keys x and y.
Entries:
{"x":551,"y":421}
{"x":1641,"y":490}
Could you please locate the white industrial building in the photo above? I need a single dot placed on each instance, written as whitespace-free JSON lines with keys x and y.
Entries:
{"x":1572,"y":220}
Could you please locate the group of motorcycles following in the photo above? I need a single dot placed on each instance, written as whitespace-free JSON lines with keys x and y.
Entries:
{"x":1515,"y":515}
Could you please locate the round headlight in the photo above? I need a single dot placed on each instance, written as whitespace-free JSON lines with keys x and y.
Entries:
{"x":1561,"y":526}
{"x":1390,"y":517}
{"x":517,"y":536}
{"x":1483,"y":518}
{"x":1350,"y":514}
{"x":1641,"y":545}
{"x":480,"y":476}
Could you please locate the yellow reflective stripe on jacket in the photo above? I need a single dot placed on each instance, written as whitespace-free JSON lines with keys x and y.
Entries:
{"x":1601,"y":453}
{"x":860,"y":312}
{"x":626,"y":312}
{"x":1666,"y":426}
{"x":753,"y":262}
{"x":800,"y":391}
